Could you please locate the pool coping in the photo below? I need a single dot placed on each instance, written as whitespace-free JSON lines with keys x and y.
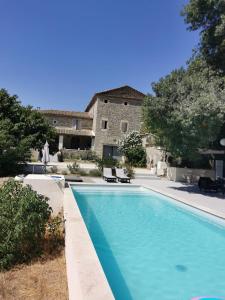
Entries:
{"x":185,"y":202}
{"x":85,"y":275}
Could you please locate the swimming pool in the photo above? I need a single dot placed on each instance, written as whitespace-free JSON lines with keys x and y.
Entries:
{"x":150,"y":247}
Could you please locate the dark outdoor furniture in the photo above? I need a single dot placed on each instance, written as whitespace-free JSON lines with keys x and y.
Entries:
{"x":206,"y":184}
{"x":73,"y":178}
{"x":107,"y":175}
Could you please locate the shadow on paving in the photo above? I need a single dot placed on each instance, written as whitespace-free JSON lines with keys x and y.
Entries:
{"x":193,"y":189}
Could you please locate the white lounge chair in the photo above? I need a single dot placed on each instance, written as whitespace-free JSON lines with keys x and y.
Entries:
{"x":107,"y":175}
{"x":121,"y":176}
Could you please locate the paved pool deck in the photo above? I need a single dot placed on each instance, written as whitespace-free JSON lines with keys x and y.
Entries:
{"x":213,"y":203}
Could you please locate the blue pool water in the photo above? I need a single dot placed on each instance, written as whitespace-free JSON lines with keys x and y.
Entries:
{"x":150,"y":247}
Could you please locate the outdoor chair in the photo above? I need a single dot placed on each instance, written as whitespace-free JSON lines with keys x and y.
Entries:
{"x":207,"y":184}
{"x":221,"y":184}
{"x":121,"y":176}
{"x":107,"y":175}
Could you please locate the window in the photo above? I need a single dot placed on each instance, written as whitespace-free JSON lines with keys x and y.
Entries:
{"x":104,"y":124}
{"x":76,"y":123}
{"x":54,"y":122}
{"x":125,"y":103}
{"x":105,"y":101}
{"x":124,"y":126}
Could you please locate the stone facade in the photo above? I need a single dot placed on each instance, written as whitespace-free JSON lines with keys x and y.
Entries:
{"x":70,"y":122}
{"x":108,"y":116}
{"x":114,"y":112}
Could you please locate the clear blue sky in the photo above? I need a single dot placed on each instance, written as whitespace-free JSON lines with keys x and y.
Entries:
{"x":58,"y":53}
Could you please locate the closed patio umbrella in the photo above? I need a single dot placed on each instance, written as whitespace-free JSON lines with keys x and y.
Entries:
{"x":45,"y":154}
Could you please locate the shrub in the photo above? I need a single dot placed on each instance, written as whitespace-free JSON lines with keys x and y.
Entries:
{"x":106,"y":162}
{"x":74,"y":168}
{"x":95,"y":173}
{"x":79,"y":155}
{"x":54,"y":236}
{"x":23,"y":218}
{"x":82,"y":172}
{"x":54,"y":169}
{"x":136,"y":156}
{"x":60,"y":156}
{"x":12,"y":161}
{"x":131,"y":147}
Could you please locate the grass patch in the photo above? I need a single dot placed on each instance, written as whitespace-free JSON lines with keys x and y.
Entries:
{"x":41,"y":280}
{"x":43,"y":277}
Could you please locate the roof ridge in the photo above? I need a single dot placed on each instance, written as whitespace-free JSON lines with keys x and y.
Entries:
{"x":113,"y":90}
{"x":70,"y":113}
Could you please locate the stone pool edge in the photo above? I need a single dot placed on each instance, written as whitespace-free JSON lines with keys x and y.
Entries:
{"x":204,"y":209}
{"x":85,"y":276}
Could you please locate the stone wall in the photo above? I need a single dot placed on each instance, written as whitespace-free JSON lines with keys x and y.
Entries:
{"x":68,"y":121}
{"x":188,"y":175}
{"x":114,"y":111}
{"x":153,"y":155}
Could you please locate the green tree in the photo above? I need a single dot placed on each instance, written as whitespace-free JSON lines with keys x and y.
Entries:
{"x":188,"y":109}
{"x":21,"y":128}
{"x":208,"y":16}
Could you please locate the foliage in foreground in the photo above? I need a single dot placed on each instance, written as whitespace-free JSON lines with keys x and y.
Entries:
{"x":21,"y":128}
{"x":23,"y":218}
{"x":131,"y":147}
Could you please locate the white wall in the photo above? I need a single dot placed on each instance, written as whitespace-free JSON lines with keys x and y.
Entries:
{"x":188,"y":175}
{"x":153,"y":154}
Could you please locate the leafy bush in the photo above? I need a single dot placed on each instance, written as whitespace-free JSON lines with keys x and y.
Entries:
{"x":74,"y":168}
{"x":82,"y":172}
{"x":12,"y":161}
{"x":54,"y":236}
{"x":60,"y":156}
{"x":132,"y":140}
{"x":131,"y":147}
{"x":23,"y":218}
{"x":136,"y":157}
{"x":79,"y":155}
{"x":95,"y":173}
{"x":106,"y":162}
{"x":54,"y":169}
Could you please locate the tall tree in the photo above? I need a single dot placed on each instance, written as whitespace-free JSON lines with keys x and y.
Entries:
{"x":208,"y":16}
{"x":21,"y":128}
{"x":188,"y":109}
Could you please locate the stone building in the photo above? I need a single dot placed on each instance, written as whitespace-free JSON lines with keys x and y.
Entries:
{"x":108,"y":116}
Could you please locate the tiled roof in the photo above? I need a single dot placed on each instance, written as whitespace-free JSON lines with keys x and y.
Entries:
{"x":72,"y":131}
{"x":125,"y":92}
{"x":54,"y":112}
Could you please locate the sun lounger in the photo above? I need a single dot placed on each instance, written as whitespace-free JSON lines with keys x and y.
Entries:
{"x":121,"y":176}
{"x":107,"y":175}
